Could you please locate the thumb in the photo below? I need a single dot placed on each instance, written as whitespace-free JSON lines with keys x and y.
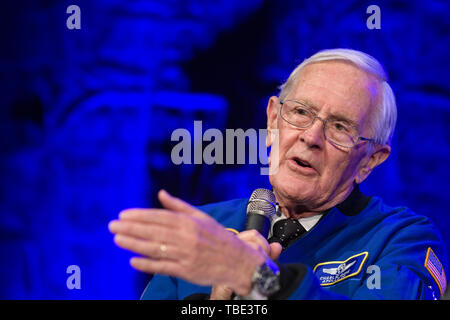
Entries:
{"x":275,"y":250}
{"x":175,"y":204}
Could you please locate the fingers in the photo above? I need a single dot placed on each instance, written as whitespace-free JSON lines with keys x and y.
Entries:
{"x":169,"y":217}
{"x":146,"y":248}
{"x":143,"y":231}
{"x":275,"y":250}
{"x":151,"y":224}
{"x":255,"y":240}
{"x":163,"y":216}
{"x":147,"y":265}
{"x":152,"y":216}
{"x":176,"y":204}
{"x":220,"y":292}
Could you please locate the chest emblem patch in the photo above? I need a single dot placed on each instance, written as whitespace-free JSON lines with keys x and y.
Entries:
{"x":332,"y":272}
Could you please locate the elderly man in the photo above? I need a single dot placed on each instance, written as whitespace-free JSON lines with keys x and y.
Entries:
{"x":334,"y":117}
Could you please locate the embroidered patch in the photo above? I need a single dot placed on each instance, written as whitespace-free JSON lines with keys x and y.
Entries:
{"x":232,"y":230}
{"x":436,"y":270}
{"x":332,"y":272}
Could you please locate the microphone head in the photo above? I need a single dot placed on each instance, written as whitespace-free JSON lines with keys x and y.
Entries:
{"x":263,"y":202}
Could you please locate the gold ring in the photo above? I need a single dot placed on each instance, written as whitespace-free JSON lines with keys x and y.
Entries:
{"x":163,"y":249}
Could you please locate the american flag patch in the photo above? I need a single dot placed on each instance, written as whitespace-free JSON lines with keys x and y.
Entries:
{"x":436,"y":270}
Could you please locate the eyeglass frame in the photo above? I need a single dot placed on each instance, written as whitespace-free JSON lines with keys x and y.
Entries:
{"x":315,"y":116}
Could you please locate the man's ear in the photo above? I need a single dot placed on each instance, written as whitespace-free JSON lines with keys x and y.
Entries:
{"x":378,"y":156}
{"x":272,"y":112}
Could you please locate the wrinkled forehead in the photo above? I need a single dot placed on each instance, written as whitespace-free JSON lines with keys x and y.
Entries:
{"x":338,"y":83}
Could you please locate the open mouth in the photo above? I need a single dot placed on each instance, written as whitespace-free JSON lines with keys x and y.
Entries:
{"x":302,"y":163}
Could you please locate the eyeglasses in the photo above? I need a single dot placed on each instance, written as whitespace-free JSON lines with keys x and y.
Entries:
{"x":339,"y":132}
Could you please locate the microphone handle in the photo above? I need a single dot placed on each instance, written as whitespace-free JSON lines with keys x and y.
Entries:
{"x":259,"y":222}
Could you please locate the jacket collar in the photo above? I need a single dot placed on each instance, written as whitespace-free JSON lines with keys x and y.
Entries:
{"x":354,"y":203}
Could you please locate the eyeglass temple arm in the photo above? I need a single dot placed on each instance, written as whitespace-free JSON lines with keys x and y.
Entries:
{"x":366,"y":139}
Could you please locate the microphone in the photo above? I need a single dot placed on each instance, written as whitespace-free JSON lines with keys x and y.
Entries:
{"x":260,"y":210}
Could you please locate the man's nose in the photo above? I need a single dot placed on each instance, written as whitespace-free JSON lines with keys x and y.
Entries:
{"x":313,"y":135}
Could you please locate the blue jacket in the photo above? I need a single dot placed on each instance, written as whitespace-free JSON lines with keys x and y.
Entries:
{"x":360,"y":249}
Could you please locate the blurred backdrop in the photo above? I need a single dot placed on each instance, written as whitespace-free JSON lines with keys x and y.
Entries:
{"x":87,"y":115}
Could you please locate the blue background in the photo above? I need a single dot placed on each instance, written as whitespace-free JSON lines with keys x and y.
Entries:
{"x":86,"y":117}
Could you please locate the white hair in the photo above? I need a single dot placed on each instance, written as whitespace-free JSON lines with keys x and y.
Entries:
{"x":385,"y":114}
